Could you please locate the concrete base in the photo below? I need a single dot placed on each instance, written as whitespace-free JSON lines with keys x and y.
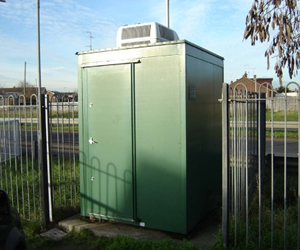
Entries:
{"x":204,"y":236}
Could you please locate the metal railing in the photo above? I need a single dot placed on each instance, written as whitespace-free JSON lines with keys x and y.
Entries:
{"x":63,"y":123}
{"x":20,"y":173}
{"x":261,"y":175}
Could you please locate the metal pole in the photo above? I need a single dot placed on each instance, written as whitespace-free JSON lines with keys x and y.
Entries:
{"x":42,"y":163}
{"x":261,"y":155}
{"x":225,"y":174}
{"x":25,"y":80}
{"x":262,"y":119}
{"x":285,"y":172}
{"x":48,"y":160}
{"x":167,"y":14}
{"x":38,"y":49}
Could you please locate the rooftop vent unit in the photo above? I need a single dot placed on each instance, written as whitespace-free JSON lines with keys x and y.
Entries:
{"x":144,"y":33}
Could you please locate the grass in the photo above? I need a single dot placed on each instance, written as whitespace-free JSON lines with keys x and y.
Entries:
{"x":53,"y":127}
{"x":277,"y":134}
{"x":85,"y":239}
{"x":278,"y":230}
{"x":280,"y":115}
{"x":292,"y":116}
{"x":20,"y":177}
{"x":15,"y":112}
{"x":280,"y":134}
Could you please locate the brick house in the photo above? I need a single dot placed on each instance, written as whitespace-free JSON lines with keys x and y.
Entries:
{"x":254,"y":84}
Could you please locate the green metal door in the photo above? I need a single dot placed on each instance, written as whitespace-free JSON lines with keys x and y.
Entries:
{"x":107,"y":114}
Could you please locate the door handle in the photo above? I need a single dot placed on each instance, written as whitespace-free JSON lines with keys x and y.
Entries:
{"x":91,"y":141}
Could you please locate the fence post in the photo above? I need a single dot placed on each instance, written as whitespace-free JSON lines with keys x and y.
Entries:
{"x":261,"y":155}
{"x":262,"y":130}
{"x":48,"y":159}
{"x":43,"y":162}
{"x":225,"y":166}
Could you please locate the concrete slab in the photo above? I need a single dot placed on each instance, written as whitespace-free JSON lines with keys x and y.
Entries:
{"x":54,"y":234}
{"x":204,"y":236}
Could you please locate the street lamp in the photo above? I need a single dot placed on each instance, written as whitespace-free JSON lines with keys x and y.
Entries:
{"x":3,"y":1}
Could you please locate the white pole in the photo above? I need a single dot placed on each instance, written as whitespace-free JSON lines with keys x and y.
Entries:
{"x":167,"y":14}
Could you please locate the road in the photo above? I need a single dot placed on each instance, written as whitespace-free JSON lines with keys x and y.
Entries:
{"x":66,"y":139}
{"x":61,"y":141}
{"x":277,"y":125}
{"x":278,"y":147}
{"x":56,"y":137}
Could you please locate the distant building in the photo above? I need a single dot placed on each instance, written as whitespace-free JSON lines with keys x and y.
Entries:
{"x":13,"y":96}
{"x":55,"y":96}
{"x":254,"y":84}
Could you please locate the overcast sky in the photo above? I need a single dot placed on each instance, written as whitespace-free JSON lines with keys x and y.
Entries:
{"x":215,"y":25}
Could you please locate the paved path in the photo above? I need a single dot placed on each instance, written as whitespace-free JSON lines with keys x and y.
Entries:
{"x":204,"y":236}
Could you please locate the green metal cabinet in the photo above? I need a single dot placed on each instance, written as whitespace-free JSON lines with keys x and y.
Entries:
{"x":150,"y":134}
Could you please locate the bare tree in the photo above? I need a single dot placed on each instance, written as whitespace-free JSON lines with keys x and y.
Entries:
{"x":27,"y":85}
{"x":28,"y":89}
{"x":284,"y":18}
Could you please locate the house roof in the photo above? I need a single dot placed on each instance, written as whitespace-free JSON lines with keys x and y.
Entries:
{"x":251,"y":81}
{"x":245,"y":80}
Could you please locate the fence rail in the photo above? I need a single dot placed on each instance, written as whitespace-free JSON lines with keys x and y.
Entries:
{"x":261,"y":194}
{"x":20,"y":172}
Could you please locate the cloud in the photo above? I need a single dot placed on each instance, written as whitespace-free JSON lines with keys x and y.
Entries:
{"x":215,"y":25}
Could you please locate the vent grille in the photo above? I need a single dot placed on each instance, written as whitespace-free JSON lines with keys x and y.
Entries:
{"x":166,"y":33}
{"x":135,"y":32}
{"x":135,"y":43}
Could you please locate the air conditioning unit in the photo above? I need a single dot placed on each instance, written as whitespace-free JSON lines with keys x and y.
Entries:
{"x":144,"y":33}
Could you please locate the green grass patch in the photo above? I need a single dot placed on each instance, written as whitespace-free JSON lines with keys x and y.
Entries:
{"x":280,"y":134}
{"x":53,"y":127}
{"x":27,"y":112}
{"x":85,"y":239}
{"x":66,"y":127}
{"x":280,"y":115}
{"x":65,"y":114}
{"x":278,"y":217}
{"x":20,"y":177}
{"x":277,"y":116}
